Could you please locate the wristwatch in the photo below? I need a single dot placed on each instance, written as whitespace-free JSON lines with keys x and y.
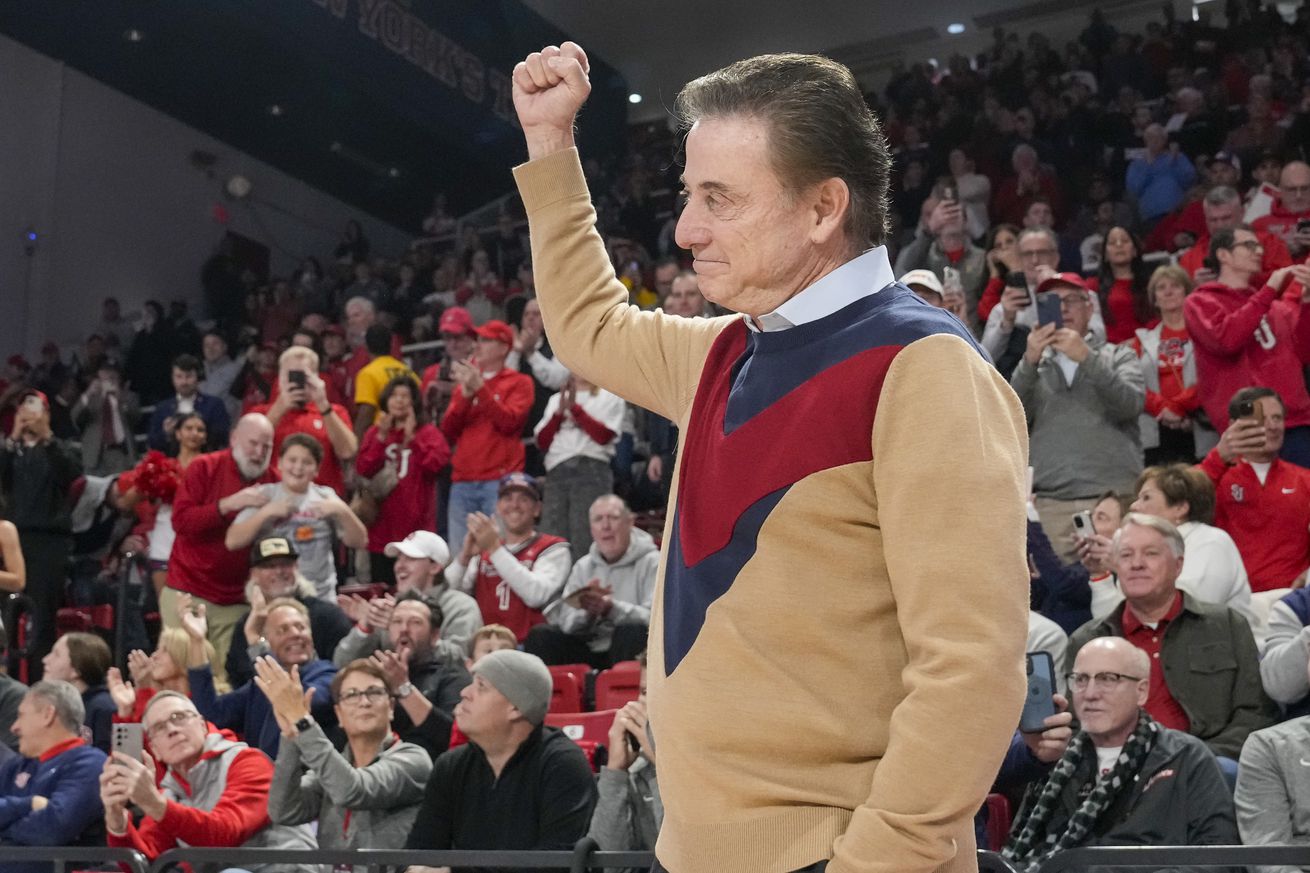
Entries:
{"x":305,"y":723}
{"x":326,"y":412}
{"x":405,"y":689}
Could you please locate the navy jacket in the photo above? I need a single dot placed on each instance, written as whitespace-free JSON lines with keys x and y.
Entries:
{"x":211,"y":409}
{"x":1062,"y":592}
{"x":70,"y":780}
{"x":247,"y":711}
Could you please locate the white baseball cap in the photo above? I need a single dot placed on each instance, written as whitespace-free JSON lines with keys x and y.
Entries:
{"x":421,"y":544}
{"x":925,"y":279}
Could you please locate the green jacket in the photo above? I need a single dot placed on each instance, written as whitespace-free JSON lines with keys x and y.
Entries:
{"x":1211,"y":666}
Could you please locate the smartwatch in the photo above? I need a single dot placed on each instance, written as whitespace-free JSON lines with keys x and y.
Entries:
{"x":305,"y":723}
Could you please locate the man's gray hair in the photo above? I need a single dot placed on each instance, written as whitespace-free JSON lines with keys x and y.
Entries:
{"x":359,"y":301}
{"x":165,"y":695}
{"x":66,"y":700}
{"x":1039,"y":231}
{"x":1155,"y":523}
{"x":1221,"y":195}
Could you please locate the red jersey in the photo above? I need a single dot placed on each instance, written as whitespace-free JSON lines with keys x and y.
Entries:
{"x":1270,"y":523}
{"x":1244,"y":338}
{"x":309,"y":421}
{"x":498,"y":602}
{"x":412,"y":505}
{"x":200,"y":562}
{"x":487,"y":429}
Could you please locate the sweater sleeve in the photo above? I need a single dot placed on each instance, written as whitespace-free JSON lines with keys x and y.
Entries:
{"x":224,"y":710}
{"x":1220,"y":330}
{"x":1287,"y":654}
{"x":294,"y":797}
{"x":611,"y":823}
{"x":592,"y":327}
{"x":1117,"y":380}
{"x":548,"y":371}
{"x":372,"y":454}
{"x":396,"y":778}
{"x":191,"y":516}
{"x":599,"y":433}
{"x":1266,"y":814}
{"x":959,"y":660}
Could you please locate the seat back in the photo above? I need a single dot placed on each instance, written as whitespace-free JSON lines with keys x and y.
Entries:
{"x":591,"y":727}
{"x":618,"y":685}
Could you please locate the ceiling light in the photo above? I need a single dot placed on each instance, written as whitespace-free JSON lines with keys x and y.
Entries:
{"x":335,"y":147}
{"x":276,"y":110}
{"x":393,"y":172}
{"x":955,"y":29}
{"x":133,"y":35}
{"x":634,"y":98}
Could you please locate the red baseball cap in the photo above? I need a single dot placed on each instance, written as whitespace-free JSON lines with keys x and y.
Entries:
{"x":496,"y":330}
{"x":1063,"y":279}
{"x":456,"y":319}
{"x":335,"y":330}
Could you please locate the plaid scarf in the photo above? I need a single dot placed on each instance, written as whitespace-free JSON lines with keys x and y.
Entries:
{"x":1030,"y":844}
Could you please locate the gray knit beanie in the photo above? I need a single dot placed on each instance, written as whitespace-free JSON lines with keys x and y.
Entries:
{"x":522,"y":678}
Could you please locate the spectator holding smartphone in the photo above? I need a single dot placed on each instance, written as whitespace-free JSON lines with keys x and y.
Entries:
{"x":1289,"y":215}
{"x":301,"y":406}
{"x":628,"y":810}
{"x":1247,"y":336}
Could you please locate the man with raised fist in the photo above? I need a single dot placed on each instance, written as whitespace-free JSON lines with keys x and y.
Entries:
{"x":805,"y":551}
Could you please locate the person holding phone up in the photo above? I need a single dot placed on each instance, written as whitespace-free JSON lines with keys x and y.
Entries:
{"x":1077,"y":391}
{"x":629,"y":811}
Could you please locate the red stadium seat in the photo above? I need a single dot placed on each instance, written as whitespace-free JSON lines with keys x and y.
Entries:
{"x":618,"y":685}
{"x":998,"y":820}
{"x":583,"y":727}
{"x":566,"y":695}
{"x":84,"y":619}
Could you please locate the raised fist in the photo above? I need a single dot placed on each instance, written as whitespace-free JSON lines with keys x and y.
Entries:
{"x":550,"y":87}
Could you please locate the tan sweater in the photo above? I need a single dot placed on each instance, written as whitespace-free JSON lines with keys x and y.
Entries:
{"x":837,"y":637}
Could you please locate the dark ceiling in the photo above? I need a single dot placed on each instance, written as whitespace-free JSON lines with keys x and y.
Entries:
{"x":382,"y":102}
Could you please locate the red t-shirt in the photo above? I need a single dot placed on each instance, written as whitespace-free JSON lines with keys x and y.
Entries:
{"x":1159,"y":702}
{"x":1122,"y":324}
{"x":310,"y":421}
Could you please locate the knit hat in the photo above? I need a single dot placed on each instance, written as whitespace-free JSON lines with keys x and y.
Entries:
{"x":522,"y":678}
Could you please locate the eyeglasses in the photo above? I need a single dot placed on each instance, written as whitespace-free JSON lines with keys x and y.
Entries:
{"x":1034,"y":254}
{"x":374,"y":694}
{"x":1250,"y":245}
{"x":1294,"y":189}
{"x":177,"y":719}
{"x":1080,"y":681}
{"x":1072,"y":300}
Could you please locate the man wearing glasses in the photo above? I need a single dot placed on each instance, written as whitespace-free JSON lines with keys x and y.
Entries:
{"x":1082,"y":397}
{"x":213,"y":795}
{"x":1124,"y":779}
{"x":364,"y":796}
{"x":1247,"y":336}
{"x":1204,"y":672}
{"x":1289,"y":217}
{"x":1039,"y":257}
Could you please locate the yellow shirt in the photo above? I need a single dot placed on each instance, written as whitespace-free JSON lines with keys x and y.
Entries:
{"x":374,"y":377}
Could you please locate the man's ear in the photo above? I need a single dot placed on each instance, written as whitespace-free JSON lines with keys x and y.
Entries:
{"x":830,"y":202}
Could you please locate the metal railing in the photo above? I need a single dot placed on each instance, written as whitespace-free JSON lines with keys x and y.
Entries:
{"x":1176,"y":856}
{"x":64,"y":856}
{"x":584,"y":856}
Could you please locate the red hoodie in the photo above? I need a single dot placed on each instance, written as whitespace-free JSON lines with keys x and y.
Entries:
{"x":1243,"y":339}
{"x":1276,"y":255}
{"x":1280,"y":222}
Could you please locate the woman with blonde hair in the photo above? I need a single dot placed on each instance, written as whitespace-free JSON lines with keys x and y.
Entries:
{"x":1172,"y":426}
{"x":165,"y":670}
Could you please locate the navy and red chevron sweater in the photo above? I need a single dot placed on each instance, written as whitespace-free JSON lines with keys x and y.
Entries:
{"x":837,"y":638}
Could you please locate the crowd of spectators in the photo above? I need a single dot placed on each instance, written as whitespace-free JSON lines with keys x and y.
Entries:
{"x":350,"y":519}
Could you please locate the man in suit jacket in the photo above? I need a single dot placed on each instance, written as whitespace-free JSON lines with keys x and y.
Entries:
{"x":187,"y":372}
{"x":106,"y":415}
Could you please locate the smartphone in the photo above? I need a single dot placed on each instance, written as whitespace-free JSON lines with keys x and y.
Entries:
{"x":297,"y":378}
{"x":1016,"y":279}
{"x":1303,"y":225}
{"x":1253,"y":409}
{"x":127,"y":738}
{"x":1048,"y":310}
{"x":1082,"y":524}
{"x":1039,"y":705}
{"x":948,"y":194}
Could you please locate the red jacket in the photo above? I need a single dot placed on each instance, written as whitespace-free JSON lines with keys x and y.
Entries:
{"x":1270,"y":523}
{"x":412,"y":505}
{"x":488,"y":429}
{"x":1280,"y":222}
{"x":1244,"y":339}
{"x":309,"y":421}
{"x":200,"y":563}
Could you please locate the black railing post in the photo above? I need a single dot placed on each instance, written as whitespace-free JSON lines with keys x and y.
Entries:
{"x":582,"y":850}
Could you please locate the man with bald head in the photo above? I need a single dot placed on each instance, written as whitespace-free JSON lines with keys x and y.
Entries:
{"x":214,"y":488}
{"x":1290,"y":209}
{"x":1124,"y":779}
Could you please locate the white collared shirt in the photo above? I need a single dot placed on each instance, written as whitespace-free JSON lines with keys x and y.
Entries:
{"x":857,"y":278}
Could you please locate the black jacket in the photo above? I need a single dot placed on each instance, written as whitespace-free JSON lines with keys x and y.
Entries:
{"x":34,"y":482}
{"x":542,"y":800}
{"x":1179,"y":798}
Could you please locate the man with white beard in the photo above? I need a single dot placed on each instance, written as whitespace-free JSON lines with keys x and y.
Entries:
{"x":214,"y":488}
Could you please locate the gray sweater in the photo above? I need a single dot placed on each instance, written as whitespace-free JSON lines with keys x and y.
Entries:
{"x":312,"y":780}
{"x":1273,"y":788}
{"x":461,"y":619}
{"x":1287,"y":651}
{"x":1084,"y":437}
